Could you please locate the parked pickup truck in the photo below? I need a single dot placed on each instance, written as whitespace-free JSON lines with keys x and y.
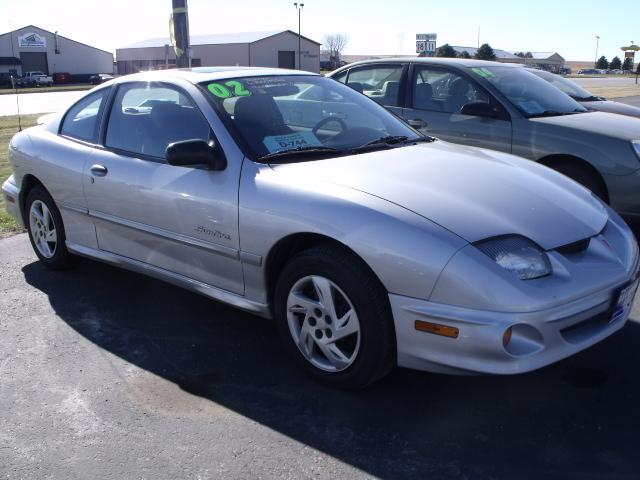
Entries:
{"x":34,"y":79}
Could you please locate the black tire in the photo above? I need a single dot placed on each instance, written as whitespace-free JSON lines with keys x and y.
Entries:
{"x":584,"y":177}
{"x":62,"y":259}
{"x":376,"y":355}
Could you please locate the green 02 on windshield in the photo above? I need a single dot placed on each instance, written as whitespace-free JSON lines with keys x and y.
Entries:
{"x":531,"y":95}
{"x":276,"y":114}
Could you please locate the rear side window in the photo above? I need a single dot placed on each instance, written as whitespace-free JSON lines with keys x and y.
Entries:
{"x":378,"y":82}
{"x":81,"y":121}
{"x":147,"y":117}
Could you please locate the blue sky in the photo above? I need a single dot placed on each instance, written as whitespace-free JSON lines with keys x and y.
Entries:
{"x":388,"y":27}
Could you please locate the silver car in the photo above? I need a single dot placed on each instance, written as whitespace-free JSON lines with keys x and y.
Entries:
{"x":507,"y":108}
{"x":292,"y":196}
{"x":585,"y":97}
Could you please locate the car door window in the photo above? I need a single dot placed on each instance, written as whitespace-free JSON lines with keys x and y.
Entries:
{"x":440,"y":90}
{"x":81,"y":121}
{"x":341,"y":77}
{"x":145,"y":118}
{"x":380,"y":83}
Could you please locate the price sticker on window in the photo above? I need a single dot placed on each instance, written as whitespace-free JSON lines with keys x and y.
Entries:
{"x":278,"y":143}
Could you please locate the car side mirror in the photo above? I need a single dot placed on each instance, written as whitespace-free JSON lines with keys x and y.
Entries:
{"x":480,"y":109}
{"x":189,"y":153}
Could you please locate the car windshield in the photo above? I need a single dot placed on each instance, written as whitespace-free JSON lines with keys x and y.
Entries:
{"x":530,"y":94}
{"x":274,"y":115}
{"x":567,"y":86}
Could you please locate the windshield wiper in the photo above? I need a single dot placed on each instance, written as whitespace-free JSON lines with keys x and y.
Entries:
{"x":554,"y":113}
{"x":388,"y":140}
{"x":591,"y":98}
{"x":380,"y":143}
{"x":300,"y":151}
{"x":425,"y":139}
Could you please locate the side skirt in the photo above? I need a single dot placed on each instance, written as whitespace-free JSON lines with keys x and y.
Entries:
{"x":210,"y":291}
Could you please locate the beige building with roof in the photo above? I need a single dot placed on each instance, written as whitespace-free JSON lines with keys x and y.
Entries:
{"x":32,"y":48}
{"x":260,"y":49}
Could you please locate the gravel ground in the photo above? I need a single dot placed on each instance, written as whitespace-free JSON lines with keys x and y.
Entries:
{"x":108,"y":374}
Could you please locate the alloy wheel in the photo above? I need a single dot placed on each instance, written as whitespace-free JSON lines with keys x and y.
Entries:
{"x":323,"y":323}
{"x":43,"y":229}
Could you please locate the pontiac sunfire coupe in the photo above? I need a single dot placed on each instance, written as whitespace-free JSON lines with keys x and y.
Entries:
{"x":295,"y":197}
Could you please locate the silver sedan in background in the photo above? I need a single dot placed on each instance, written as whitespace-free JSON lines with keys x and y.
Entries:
{"x":585,"y":97}
{"x":505,"y":107}
{"x":292,"y":196}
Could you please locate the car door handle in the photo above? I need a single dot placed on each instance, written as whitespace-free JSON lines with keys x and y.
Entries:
{"x":418,"y":123}
{"x":99,"y":170}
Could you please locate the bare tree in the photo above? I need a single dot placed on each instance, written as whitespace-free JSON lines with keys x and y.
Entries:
{"x":335,"y":44}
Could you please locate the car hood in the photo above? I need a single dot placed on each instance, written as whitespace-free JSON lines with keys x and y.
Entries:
{"x":598,"y":123}
{"x":613,"y":107}
{"x":474,"y":193}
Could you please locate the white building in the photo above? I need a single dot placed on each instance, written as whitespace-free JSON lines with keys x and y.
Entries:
{"x":32,"y":48}
{"x":551,"y":61}
{"x":260,"y":49}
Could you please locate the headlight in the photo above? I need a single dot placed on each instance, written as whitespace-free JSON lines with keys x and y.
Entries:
{"x":636,"y":146}
{"x":518,"y":255}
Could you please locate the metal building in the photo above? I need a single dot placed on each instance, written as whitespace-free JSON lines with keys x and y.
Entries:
{"x":32,"y":48}
{"x":260,"y":49}
{"x":551,"y":61}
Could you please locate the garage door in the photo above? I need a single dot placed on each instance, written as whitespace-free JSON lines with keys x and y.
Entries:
{"x":34,"y":61}
{"x":286,"y":59}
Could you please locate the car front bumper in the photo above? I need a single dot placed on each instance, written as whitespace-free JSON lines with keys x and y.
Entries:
{"x":539,"y":338}
{"x":11,"y":193}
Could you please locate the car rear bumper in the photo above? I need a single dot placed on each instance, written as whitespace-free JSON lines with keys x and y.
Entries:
{"x":11,"y":194}
{"x":538,"y":338}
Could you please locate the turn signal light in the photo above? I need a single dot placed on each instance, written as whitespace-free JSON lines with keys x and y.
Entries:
{"x":437,"y":329}
{"x":506,"y":338}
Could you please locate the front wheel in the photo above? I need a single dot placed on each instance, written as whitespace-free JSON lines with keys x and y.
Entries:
{"x":334,"y":317}
{"x":46,"y":231}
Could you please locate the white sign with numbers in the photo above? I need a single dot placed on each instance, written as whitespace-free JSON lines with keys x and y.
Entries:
{"x":426,"y":42}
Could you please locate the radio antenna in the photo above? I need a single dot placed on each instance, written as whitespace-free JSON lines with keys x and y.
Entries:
{"x":13,"y":80}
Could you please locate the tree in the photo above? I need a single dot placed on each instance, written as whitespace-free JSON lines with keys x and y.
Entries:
{"x":446,"y":51}
{"x":627,"y":64}
{"x":602,"y":63}
{"x":485,"y":52}
{"x":524,"y":55}
{"x":616,"y":63}
{"x":464,"y":54}
{"x":335,"y":43}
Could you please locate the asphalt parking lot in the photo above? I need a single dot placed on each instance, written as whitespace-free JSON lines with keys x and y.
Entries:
{"x":108,"y":374}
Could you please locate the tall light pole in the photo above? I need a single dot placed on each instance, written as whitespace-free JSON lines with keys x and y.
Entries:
{"x":299,"y":7}
{"x":180,"y":33}
{"x":597,"y":44}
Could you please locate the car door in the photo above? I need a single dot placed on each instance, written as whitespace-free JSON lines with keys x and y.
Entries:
{"x":66,"y":158}
{"x":436,"y":97}
{"x":383,"y":83}
{"x":183,"y":220}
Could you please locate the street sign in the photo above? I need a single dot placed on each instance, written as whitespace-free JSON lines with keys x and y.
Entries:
{"x":426,"y":43}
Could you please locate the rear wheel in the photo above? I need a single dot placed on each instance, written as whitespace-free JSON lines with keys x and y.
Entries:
{"x":46,"y":231}
{"x":334,"y":318}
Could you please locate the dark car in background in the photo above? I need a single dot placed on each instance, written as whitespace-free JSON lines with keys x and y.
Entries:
{"x":60,"y":78}
{"x":100,"y":78}
{"x":5,"y":80}
{"x":585,"y":97}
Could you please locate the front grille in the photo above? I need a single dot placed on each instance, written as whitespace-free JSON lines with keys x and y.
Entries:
{"x":586,"y":329}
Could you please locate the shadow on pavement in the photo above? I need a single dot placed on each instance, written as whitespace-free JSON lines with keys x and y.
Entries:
{"x":576,"y":419}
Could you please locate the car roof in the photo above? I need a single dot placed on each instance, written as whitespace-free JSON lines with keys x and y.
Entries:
{"x":457,"y":62}
{"x":205,"y":74}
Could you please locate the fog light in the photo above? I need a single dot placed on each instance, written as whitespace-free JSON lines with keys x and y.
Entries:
{"x":437,"y":329}
{"x":506,"y":338}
